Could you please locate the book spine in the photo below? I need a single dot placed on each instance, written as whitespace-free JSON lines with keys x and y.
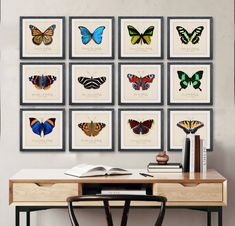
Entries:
{"x":187,"y":155}
{"x":197,"y":153}
{"x":183,"y":153}
{"x":192,"y":153}
{"x":204,"y":158}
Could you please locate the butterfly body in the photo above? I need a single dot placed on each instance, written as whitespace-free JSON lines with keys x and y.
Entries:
{"x":140,"y":127}
{"x":91,"y":128}
{"x":40,"y":128}
{"x":92,"y":83}
{"x":43,"y":81}
{"x":42,"y":37}
{"x":140,"y":82}
{"x":96,"y":36}
{"x":186,"y":80}
{"x":140,"y":38}
{"x":187,"y":37}
{"x":190,"y":126}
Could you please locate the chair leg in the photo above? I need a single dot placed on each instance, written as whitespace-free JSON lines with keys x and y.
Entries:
{"x":28,"y":218}
{"x":208,"y":218}
{"x":220,"y":216}
{"x":108,"y":213}
{"x":125,"y":213}
{"x":17,"y":216}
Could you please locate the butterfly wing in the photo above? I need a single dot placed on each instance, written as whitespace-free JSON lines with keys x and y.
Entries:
{"x":35,"y":79}
{"x":37,"y":35}
{"x":185,"y":80}
{"x":196,"y":34}
{"x":48,"y":126}
{"x":47,"y":35}
{"x":185,"y":125}
{"x":92,"y":83}
{"x":97,"y":127}
{"x":195,"y":80}
{"x":184,"y":35}
{"x":86,"y":128}
{"x":146,"y":80}
{"x":97,"y":34}
{"x":146,"y":125}
{"x":147,"y":34}
{"x":135,"y":126}
{"x":36,"y":126}
{"x":195,"y":125}
{"x":135,"y":35}
{"x":135,"y":80}
{"x":86,"y":35}
{"x":48,"y":81}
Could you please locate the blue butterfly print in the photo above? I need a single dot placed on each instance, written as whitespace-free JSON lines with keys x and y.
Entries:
{"x":96,"y":35}
{"x":40,"y":127}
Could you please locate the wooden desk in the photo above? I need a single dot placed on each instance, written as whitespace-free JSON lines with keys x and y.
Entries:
{"x":37,"y":189}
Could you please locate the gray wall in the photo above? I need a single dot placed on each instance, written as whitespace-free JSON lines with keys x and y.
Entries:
{"x":11,"y":160}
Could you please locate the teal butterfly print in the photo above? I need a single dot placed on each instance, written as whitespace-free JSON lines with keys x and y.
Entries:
{"x":186,"y":80}
{"x":187,"y":37}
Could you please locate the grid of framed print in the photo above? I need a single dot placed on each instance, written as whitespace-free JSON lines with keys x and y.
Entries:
{"x":92,"y":84}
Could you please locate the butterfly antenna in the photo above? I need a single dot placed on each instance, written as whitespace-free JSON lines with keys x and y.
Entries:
{"x":199,"y":88}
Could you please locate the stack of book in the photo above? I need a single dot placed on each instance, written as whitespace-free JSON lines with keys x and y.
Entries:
{"x":168,"y":168}
{"x":194,"y":154}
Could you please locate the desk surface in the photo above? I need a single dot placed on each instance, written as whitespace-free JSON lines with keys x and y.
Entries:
{"x":57,"y":175}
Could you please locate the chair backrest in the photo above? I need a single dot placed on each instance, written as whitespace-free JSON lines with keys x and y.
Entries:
{"x":106,"y":198}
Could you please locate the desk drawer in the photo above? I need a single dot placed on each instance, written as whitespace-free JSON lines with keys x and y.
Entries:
{"x":204,"y":192}
{"x":33,"y":192}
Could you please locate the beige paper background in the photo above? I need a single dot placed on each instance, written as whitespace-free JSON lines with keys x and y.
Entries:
{"x":177,"y":134}
{"x":91,"y":49}
{"x":34,"y":141}
{"x":190,"y":94}
{"x":179,"y":49}
{"x":151,"y":140}
{"x":81,"y":141}
{"x":151,"y":95}
{"x":83,"y":95}
{"x":52,"y":50}
{"x":138,"y":50}
{"x":31,"y":94}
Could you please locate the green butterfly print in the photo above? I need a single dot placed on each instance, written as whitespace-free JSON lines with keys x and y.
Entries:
{"x":187,"y":37}
{"x":186,"y":80}
{"x":137,"y":37}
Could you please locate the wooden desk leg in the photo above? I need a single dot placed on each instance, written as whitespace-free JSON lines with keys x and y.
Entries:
{"x":28,"y":218}
{"x":17,"y":216}
{"x":220,"y":216}
{"x":208,"y":218}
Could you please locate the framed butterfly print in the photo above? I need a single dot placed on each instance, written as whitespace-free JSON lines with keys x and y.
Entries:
{"x":140,"y":83}
{"x":140,"y":37}
{"x":189,"y":121}
{"x":140,"y":129}
{"x":91,"y":130}
{"x":91,"y":83}
{"x":91,"y":37}
{"x":42,"y":37}
{"x":42,"y":130}
{"x":190,"y":84}
{"x":190,"y":38}
{"x":42,"y":83}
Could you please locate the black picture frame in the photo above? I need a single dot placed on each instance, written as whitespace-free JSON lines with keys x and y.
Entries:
{"x":141,"y":149}
{"x":95,"y":57}
{"x":141,"y":103}
{"x":210,"y":110}
{"x":42,"y":103}
{"x":22,"y":149}
{"x":71,"y":149}
{"x":140,"y":17}
{"x":188,"y":57}
{"x":42,"y":57}
{"x":169,"y":91}
{"x":91,"y":103}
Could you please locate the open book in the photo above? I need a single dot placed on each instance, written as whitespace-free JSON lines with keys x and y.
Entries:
{"x":86,"y":170}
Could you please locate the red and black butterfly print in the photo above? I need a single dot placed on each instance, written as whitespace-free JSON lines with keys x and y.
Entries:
{"x":139,"y":82}
{"x":140,"y":127}
{"x":42,"y":82}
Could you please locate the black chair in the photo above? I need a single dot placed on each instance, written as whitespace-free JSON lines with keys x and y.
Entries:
{"x":107,"y":198}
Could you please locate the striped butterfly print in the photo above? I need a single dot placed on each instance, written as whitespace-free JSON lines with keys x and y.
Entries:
{"x":92,"y":83}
